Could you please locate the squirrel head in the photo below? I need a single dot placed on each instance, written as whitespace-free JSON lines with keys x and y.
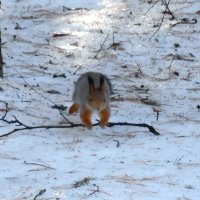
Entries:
{"x":96,"y":96}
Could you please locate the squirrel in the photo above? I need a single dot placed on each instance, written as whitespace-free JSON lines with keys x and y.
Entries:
{"x":92,"y":92}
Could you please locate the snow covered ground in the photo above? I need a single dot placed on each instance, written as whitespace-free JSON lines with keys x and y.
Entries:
{"x":150,"y":74}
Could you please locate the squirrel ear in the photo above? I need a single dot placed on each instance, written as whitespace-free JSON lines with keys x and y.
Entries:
{"x":91,"y":84}
{"x":101,"y":83}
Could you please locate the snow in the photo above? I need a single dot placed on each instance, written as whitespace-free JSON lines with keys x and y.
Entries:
{"x":144,"y":166}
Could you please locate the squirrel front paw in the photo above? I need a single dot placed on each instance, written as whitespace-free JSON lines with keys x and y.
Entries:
{"x":86,"y":118}
{"x":104,"y":117}
{"x":88,"y":125}
{"x":74,"y":108}
{"x":103,"y":124}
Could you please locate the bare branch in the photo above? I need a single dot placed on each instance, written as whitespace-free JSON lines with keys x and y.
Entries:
{"x":23,"y":126}
{"x":151,"y":128}
{"x":110,"y":124}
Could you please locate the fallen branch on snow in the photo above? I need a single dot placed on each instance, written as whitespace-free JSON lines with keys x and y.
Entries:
{"x":23,"y":126}
{"x":110,"y":124}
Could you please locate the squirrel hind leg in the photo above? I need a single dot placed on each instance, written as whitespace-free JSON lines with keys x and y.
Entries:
{"x":104,"y":117}
{"x":74,"y":108}
{"x":86,"y":118}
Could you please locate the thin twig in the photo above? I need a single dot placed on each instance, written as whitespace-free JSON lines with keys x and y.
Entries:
{"x":114,"y":45}
{"x":31,"y":163}
{"x":74,"y":9}
{"x":77,"y":70}
{"x":159,"y":26}
{"x":96,"y":190}
{"x":101,"y":47}
{"x":61,"y":113}
{"x":151,"y":7}
{"x":57,"y":107}
{"x":167,"y":8}
{"x":164,"y":13}
{"x":151,"y":128}
{"x":1,"y":59}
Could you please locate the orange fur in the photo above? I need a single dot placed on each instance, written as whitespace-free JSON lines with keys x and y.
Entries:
{"x":74,"y":108}
{"x":86,"y":118}
{"x":92,"y":92}
{"x":104,"y":117}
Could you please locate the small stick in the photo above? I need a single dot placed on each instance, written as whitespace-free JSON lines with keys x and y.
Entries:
{"x":101,"y":47}
{"x":31,"y":163}
{"x":77,"y":70}
{"x":166,"y":8}
{"x":41,"y":192}
{"x":151,"y":128}
{"x":1,"y":59}
{"x":158,"y":26}
{"x":96,"y":190}
{"x":118,"y":144}
{"x":151,"y":7}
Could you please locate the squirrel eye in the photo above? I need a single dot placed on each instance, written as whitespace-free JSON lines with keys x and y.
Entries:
{"x":90,"y":99}
{"x":104,"y":100}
